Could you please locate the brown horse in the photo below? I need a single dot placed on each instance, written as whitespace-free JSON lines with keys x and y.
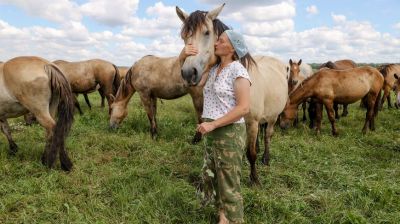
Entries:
{"x":36,"y":85}
{"x":388,"y":72}
{"x":84,"y":76}
{"x":298,"y":71}
{"x":269,"y":89}
{"x":338,"y":86}
{"x":339,"y":65}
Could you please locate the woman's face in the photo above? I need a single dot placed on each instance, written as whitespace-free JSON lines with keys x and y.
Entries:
{"x":223,"y":46}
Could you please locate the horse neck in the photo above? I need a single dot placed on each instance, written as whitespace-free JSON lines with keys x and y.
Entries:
{"x":302,"y":92}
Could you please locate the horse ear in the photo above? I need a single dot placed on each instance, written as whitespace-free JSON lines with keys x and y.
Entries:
{"x":112,"y":97}
{"x":181,"y":14}
{"x":215,"y":12}
{"x":290,"y":62}
{"x":299,"y":63}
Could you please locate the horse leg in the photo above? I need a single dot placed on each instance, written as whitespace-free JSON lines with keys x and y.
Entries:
{"x":85,"y":95}
{"x":345,"y":110}
{"x":336,"y":109}
{"x":304,"y":107}
{"x":29,"y":118}
{"x":331,"y":115}
{"x":149,"y":104}
{"x":107,"y":92}
{"x":318,"y":117}
{"x":312,"y":113}
{"x":5,"y":128}
{"x":102,"y":98}
{"x":389,"y":100}
{"x":385,"y":95}
{"x":370,"y":113}
{"x":77,"y":105}
{"x":50,"y":153}
{"x":197,"y":99}
{"x":269,"y":131}
{"x":251,"y":153}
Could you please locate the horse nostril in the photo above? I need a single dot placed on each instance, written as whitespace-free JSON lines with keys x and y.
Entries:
{"x":182,"y":72}
{"x":194,"y":75}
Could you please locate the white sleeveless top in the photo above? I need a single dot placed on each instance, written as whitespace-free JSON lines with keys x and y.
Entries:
{"x":219,"y":94}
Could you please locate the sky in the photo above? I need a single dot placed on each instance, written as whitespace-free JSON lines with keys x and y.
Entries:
{"x":123,"y":31}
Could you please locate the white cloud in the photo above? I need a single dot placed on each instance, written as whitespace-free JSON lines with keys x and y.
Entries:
{"x":397,"y":26}
{"x":112,"y":13}
{"x":312,"y":9}
{"x":55,"y":11}
{"x":338,"y":18}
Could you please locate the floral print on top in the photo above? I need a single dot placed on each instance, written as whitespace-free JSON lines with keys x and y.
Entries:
{"x":219,"y":94}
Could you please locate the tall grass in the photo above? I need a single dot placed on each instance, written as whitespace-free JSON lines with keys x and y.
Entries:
{"x":124,"y":176}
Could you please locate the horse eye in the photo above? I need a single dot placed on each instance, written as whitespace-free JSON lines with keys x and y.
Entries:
{"x":207,"y":33}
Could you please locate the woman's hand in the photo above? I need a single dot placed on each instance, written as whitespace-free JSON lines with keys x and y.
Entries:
{"x":188,"y":50}
{"x":205,"y":127}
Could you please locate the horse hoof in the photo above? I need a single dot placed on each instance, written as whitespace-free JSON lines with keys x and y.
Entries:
{"x":66,"y":167}
{"x":265,"y":161}
{"x":254,"y":181}
{"x":196,"y":138}
{"x":13,"y":149}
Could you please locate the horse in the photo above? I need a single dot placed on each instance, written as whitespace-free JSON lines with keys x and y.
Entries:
{"x":330,"y":86}
{"x":33,"y":84}
{"x":84,"y":76}
{"x":340,"y":65}
{"x":388,"y":71}
{"x":298,"y":71}
{"x":269,"y":89}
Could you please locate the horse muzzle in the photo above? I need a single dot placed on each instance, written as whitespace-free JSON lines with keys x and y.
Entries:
{"x":114,"y":125}
{"x":191,"y":76}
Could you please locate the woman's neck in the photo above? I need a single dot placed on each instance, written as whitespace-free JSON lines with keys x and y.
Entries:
{"x":225,"y":60}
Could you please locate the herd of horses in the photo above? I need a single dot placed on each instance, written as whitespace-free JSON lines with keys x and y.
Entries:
{"x":49,"y":89}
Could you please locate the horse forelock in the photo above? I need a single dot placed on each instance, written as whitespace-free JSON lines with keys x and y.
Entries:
{"x":195,"y":20}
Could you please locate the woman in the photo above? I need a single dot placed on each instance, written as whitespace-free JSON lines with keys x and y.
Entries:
{"x":226,"y":102}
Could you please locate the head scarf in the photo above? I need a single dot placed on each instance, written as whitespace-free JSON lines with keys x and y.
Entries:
{"x":237,"y":42}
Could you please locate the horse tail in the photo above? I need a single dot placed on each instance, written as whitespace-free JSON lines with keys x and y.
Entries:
{"x":117,"y":80}
{"x":61,"y":94}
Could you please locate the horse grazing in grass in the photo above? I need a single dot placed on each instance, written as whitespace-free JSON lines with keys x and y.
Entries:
{"x":329,"y":86}
{"x":339,"y":65}
{"x":36,"y":85}
{"x":298,"y":71}
{"x":388,"y":71}
{"x":84,"y":76}
{"x":269,"y":89}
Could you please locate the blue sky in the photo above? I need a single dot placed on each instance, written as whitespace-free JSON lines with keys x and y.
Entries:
{"x":122,"y":31}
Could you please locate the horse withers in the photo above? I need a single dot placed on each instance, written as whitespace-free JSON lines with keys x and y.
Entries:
{"x":269,"y":89}
{"x":329,"y":86}
{"x":37,"y":85}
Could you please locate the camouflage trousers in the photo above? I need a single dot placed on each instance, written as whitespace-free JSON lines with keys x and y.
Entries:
{"x":224,"y":148}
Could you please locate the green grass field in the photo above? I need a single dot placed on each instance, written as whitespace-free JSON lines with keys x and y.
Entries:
{"x":124,"y":176}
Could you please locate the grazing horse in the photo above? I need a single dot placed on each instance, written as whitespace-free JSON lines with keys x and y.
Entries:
{"x":268,"y":92}
{"x":330,"y":86}
{"x":84,"y":76}
{"x":339,"y":65}
{"x":388,"y":71}
{"x":297,"y":73}
{"x":36,"y":85}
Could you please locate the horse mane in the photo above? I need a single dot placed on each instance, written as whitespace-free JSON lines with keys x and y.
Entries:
{"x":198,"y":18}
{"x":384,"y":69}
{"x":328,"y":64}
{"x":125,"y":84}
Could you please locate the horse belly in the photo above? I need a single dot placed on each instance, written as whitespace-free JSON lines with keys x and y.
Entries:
{"x":351,"y":94}
{"x":83,"y":85}
{"x":11,"y":109}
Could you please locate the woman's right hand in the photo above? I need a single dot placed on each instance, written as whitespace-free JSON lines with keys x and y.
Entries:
{"x":187,"y":51}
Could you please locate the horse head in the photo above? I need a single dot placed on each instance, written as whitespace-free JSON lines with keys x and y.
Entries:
{"x":288,"y":115}
{"x":294,"y":73}
{"x":201,"y":29}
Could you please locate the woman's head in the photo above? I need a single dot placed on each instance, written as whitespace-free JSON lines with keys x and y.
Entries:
{"x":231,"y":43}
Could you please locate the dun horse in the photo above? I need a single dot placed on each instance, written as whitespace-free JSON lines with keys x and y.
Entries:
{"x":84,"y":76}
{"x":36,"y":85}
{"x":339,"y":65}
{"x":388,"y":72}
{"x":297,"y":73}
{"x":269,"y":90}
{"x":338,"y":86}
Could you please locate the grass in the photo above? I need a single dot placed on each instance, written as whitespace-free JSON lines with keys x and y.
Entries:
{"x":124,"y":176}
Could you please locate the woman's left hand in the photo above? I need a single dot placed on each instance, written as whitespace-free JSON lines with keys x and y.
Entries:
{"x":205,"y":127}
